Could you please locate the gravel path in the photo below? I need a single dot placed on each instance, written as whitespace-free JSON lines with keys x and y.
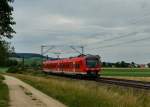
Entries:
{"x":24,"y":95}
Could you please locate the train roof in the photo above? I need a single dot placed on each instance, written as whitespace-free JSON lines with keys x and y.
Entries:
{"x":80,"y":57}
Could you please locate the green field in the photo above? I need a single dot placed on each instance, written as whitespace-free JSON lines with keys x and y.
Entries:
{"x":31,"y":61}
{"x":125,"y":72}
{"x":4,"y":94}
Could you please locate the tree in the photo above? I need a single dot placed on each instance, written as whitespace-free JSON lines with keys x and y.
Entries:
{"x":6,"y":19}
{"x":148,"y":65}
{"x":124,"y":64}
{"x":117,"y":64}
{"x":133,"y":64}
{"x":6,"y":30}
{"x":104,"y":64}
{"x":5,"y":51}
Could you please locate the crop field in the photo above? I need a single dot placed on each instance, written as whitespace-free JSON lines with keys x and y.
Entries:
{"x":4,"y":94}
{"x":125,"y":72}
{"x":77,"y":93}
{"x":30,"y":61}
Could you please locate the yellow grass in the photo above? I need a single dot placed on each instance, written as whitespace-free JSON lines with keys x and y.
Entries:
{"x":77,"y":93}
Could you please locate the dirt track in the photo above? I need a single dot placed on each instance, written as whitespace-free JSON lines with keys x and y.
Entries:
{"x":24,"y":95}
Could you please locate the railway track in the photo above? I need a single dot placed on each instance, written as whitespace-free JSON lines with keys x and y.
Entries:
{"x":126,"y":83}
{"x":114,"y":81}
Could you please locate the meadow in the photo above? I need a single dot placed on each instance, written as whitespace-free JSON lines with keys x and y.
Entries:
{"x":77,"y":93}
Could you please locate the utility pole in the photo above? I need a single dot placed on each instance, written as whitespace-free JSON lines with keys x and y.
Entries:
{"x":82,"y":48}
{"x":80,"y":52}
{"x":72,"y":47}
{"x":42,"y":49}
{"x":57,"y":54}
{"x":23,"y":62}
{"x":47,"y":57}
{"x":42,"y":54}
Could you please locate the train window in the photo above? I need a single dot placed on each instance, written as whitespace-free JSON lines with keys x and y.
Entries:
{"x":92,"y":62}
{"x":77,"y":65}
{"x":60,"y":65}
{"x":71,"y":65}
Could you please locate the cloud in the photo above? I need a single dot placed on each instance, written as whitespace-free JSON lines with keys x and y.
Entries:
{"x":92,"y":23}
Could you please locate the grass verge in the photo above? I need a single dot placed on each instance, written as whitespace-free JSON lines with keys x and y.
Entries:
{"x":77,"y":93}
{"x":126,"y":72}
{"x":4,"y":93}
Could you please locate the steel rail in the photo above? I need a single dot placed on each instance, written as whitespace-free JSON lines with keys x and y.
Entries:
{"x":126,"y":83}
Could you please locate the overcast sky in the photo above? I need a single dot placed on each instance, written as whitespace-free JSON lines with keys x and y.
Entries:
{"x":115,"y":29}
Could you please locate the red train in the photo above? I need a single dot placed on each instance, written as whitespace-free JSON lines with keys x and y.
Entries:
{"x":83,"y":65}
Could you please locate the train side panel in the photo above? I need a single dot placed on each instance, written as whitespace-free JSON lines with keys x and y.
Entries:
{"x":73,"y":66}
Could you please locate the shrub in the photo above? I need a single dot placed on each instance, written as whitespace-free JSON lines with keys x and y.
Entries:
{"x":13,"y":69}
{"x":1,"y":78}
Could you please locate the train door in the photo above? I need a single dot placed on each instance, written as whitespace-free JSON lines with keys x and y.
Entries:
{"x":61,"y":66}
{"x":74,"y":66}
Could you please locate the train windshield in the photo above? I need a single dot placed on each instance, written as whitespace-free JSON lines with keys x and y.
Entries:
{"x":91,"y":63}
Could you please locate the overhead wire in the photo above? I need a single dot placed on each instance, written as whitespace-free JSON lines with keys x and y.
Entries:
{"x":116,"y":38}
{"x":123,"y":36}
{"x":118,"y":44}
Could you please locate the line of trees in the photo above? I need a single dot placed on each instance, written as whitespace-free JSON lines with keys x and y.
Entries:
{"x":122,"y":64}
{"x":6,"y":31}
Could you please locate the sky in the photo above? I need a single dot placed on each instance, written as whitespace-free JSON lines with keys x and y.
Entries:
{"x":114,"y":29}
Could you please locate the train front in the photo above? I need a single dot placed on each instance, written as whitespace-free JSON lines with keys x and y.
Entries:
{"x":93,"y":65}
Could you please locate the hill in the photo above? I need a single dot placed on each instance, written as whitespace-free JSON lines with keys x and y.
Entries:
{"x":30,"y":58}
{"x":26,"y":55}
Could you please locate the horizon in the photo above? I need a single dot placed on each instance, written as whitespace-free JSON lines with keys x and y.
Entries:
{"x":77,"y":55}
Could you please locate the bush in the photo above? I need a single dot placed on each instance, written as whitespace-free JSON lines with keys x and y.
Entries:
{"x":148,"y":65}
{"x":1,"y":78}
{"x":13,"y":69}
{"x":23,"y":70}
{"x":12,"y":63}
